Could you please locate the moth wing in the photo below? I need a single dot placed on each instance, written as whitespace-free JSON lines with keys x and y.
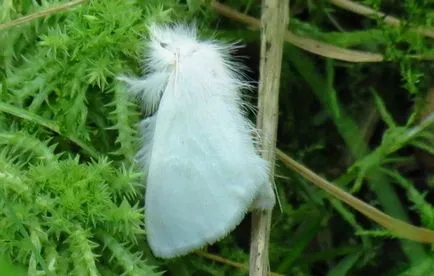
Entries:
{"x":266,"y":199}
{"x":148,"y":90}
{"x":189,"y":206}
{"x":202,"y":181}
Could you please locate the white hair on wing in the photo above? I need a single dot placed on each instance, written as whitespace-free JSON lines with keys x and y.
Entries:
{"x":238,"y":75}
{"x":147,"y":129}
{"x":198,"y":142}
{"x":155,"y":64}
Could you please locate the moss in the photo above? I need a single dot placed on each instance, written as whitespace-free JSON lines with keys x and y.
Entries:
{"x":71,"y":198}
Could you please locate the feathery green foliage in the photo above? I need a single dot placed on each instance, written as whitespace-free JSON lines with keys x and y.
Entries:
{"x":67,"y":139}
{"x":71,"y":197}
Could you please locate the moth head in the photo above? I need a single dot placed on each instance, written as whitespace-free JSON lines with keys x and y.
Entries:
{"x":169,"y":44}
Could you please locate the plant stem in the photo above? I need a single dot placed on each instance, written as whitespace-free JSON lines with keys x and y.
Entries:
{"x":39,"y":14}
{"x":308,"y":44}
{"x":274,"y":21}
{"x":222,"y":260}
{"x":351,"y":134}
{"x":305,"y":43}
{"x":396,"y":226}
{"x":365,"y":11}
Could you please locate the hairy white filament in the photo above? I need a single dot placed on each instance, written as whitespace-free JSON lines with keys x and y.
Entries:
{"x":204,"y":173}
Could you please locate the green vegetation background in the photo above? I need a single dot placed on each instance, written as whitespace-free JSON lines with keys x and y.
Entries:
{"x":71,"y":200}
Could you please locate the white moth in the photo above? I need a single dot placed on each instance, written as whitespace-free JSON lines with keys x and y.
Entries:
{"x":203,"y":171}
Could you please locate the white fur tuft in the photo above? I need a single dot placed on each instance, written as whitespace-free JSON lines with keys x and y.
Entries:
{"x":204,"y":173}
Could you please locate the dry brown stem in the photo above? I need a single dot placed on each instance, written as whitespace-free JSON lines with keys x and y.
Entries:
{"x":225,"y":261}
{"x":368,"y":12}
{"x":396,"y":226}
{"x":39,"y":14}
{"x":305,"y":43}
{"x":274,"y":21}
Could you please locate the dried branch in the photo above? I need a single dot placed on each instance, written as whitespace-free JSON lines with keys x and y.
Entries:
{"x":396,"y":226}
{"x":307,"y":44}
{"x":225,"y":261}
{"x":39,"y":14}
{"x":368,"y":12}
{"x":274,"y":21}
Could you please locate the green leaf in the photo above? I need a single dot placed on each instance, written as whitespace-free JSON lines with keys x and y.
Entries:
{"x":345,"y":265}
{"x":9,"y":269}
{"x":381,"y":107}
{"x":194,"y":5}
{"x":299,"y":240}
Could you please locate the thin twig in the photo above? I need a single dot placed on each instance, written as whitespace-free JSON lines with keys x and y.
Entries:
{"x":36,"y":15}
{"x":225,"y":261}
{"x":274,"y":22}
{"x":396,"y":226}
{"x":366,"y":11}
{"x":307,"y":44}
{"x":331,"y":51}
{"x":366,"y":209}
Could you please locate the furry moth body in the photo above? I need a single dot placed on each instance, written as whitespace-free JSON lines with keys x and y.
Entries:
{"x":203,"y":171}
